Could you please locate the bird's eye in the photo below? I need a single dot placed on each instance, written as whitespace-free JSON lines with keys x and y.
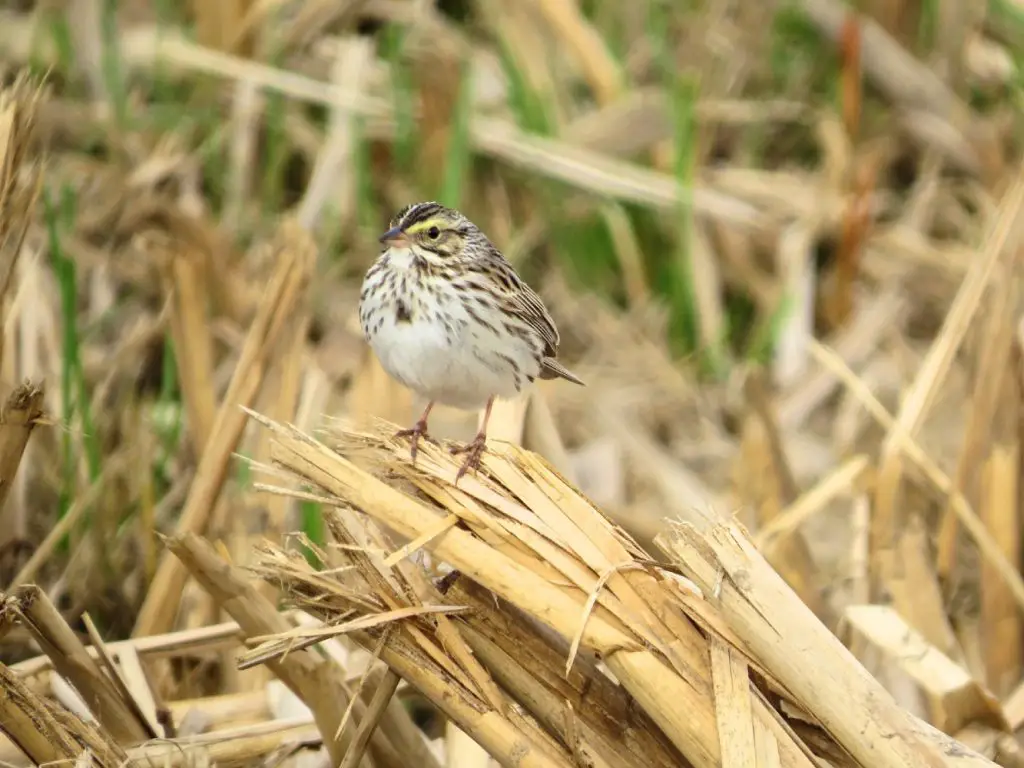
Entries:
{"x":433,"y":233}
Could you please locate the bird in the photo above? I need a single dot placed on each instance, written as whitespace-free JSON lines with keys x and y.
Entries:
{"x":449,"y":318}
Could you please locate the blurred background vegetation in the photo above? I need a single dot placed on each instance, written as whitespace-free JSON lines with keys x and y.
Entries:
{"x":762,"y":227}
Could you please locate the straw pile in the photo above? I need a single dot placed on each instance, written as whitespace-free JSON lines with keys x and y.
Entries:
{"x":780,"y":526}
{"x":712,"y":671}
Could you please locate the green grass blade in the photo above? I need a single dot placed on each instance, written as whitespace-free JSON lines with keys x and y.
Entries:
{"x":110,"y":63}
{"x":74,"y":395}
{"x":404,"y":95}
{"x":362,"y":168}
{"x":65,"y":273}
{"x":458,"y":156}
{"x":313,"y":527}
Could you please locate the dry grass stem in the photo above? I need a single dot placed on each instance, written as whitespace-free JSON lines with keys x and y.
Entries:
{"x":334,"y":159}
{"x":20,"y":180}
{"x":118,"y":716}
{"x":841,"y":481}
{"x":585,"y":709}
{"x":1001,"y":619}
{"x":850,"y":704}
{"x":138,"y":699}
{"x":906,"y":81}
{"x":193,"y":344}
{"x":500,"y":139}
{"x":48,"y":735}
{"x":951,"y":698}
{"x":295,"y":257}
{"x":773,"y":487}
{"x":18,"y":417}
{"x":374,"y":713}
{"x":968,"y":518}
{"x":244,"y":745}
{"x":631,"y":625}
{"x":1001,"y":240}
{"x":313,"y":679}
{"x":993,"y":359}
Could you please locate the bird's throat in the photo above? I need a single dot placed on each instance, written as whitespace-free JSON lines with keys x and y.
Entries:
{"x":402,"y":258}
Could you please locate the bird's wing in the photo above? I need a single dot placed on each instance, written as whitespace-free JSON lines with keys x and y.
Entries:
{"x":523,"y":302}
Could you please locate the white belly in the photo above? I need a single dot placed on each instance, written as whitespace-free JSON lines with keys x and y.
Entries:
{"x":455,"y":363}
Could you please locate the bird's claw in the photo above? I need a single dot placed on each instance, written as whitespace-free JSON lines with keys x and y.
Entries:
{"x":416,"y":432}
{"x":474,"y":451}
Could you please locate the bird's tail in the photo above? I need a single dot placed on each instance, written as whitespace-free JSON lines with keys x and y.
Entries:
{"x":552,"y":369}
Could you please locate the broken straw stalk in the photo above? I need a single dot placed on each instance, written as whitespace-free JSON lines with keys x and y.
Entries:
{"x":530,"y":539}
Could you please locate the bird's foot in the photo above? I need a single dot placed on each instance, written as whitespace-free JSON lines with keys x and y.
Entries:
{"x":416,"y":432}
{"x":473,"y":450}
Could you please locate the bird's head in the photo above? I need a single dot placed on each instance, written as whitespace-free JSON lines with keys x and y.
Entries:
{"x":438,"y":235}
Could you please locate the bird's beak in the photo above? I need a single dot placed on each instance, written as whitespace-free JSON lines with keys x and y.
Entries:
{"x":395,"y":237}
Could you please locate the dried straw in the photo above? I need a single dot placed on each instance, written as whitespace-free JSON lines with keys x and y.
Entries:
{"x":553,"y":564}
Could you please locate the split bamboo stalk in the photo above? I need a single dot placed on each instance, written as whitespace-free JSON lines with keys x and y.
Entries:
{"x":317,"y":681}
{"x":60,"y":643}
{"x":18,"y":417}
{"x":1002,"y":632}
{"x":582,"y":707}
{"x":682,"y":708}
{"x":815,"y":668}
{"x":46,"y":735}
{"x":243,"y":745}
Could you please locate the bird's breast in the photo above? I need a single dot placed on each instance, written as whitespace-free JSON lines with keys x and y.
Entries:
{"x":434,"y":339}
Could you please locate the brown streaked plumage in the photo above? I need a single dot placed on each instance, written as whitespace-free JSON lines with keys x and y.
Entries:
{"x":449,"y":318}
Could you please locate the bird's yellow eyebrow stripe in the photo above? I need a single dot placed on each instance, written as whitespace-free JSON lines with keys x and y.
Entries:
{"x":422,"y":226}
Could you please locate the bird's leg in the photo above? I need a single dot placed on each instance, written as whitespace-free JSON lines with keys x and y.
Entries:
{"x":474,"y":449}
{"x":418,"y":430}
